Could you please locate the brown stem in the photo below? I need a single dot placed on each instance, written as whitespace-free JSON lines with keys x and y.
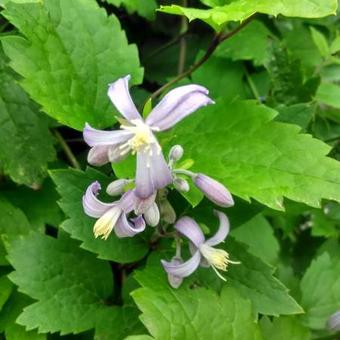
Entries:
{"x":218,"y":38}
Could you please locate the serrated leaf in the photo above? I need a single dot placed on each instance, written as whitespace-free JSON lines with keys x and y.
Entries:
{"x":191,"y":313}
{"x":8,"y":316}
{"x":258,"y":235}
{"x":299,"y":114}
{"x":69,"y":64}
{"x":329,"y":94}
{"x":257,"y":47}
{"x":71,"y":185}
{"x":145,"y":8}
{"x":240,"y":10}
{"x":320,"y":287}
{"x":284,"y":328}
{"x":26,"y":145}
{"x":226,"y":142}
{"x":70,"y":284}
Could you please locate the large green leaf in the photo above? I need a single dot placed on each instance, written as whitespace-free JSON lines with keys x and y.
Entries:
{"x":145,"y":8}
{"x":71,"y":185}
{"x":68,"y":57}
{"x":284,"y":328}
{"x":26,"y":145}
{"x":329,"y":93}
{"x":239,"y":144}
{"x":191,"y":312}
{"x":320,"y":288}
{"x":70,"y":284}
{"x":240,"y":10}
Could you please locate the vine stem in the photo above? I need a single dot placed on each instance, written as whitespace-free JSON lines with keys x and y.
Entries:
{"x":218,"y":38}
{"x":68,"y":152}
{"x":183,"y":42}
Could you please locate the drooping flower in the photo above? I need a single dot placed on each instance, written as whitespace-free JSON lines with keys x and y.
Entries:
{"x":203,"y":252}
{"x":112,"y":216}
{"x":137,"y":136}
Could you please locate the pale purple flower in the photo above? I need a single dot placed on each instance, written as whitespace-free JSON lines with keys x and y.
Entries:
{"x":202,"y":250}
{"x":112,"y":216}
{"x":137,"y":136}
{"x":213,"y":190}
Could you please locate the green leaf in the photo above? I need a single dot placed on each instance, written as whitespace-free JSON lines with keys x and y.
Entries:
{"x":254,"y":280}
{"x":240,"y":10}
{"x":139,"y":337}
{"x":145,"y":8}
{"x":320,"y":41}
{"x":258,"y":235}
{"x":335,"y":46}
{"x":71,"y":185}
{"x":191,"y":312}
{"x":26,"y":145}
{"x":40,"y":206}
{"x":5,"y":290}
{"x":320,"y":288}
{"x":284,"y":328}
{"x":70,"y":284}
{"x":69,"y":64}
{"x":226,"y":142}
{"x":8,"y":316}
{"x":218,"y":83}
{"x":329,"y":94}
{"x":257,"y":47}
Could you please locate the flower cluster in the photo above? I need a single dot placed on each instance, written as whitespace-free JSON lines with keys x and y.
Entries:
{"x":143,"y":199}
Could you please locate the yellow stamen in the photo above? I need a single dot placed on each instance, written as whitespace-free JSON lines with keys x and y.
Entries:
{"x":106,"y":223}
{"x":217,"y":258}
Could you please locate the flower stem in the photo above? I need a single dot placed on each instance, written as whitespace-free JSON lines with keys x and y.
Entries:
{"x":183,"y":42}
{"x":218,"y":38}
{"x":68,"y":152}
{"x":184,"y":172}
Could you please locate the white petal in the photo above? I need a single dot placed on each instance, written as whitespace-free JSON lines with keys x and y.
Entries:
{"x":222,"y":231}
{"x":189,"y":228}
{"x":120,"y":96}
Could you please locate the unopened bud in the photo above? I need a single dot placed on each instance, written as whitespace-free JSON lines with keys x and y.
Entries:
{"x":143,"y":204}
{"x":98,"y":155}
{"x":115,"y":154}
{"x":175,"y":281}
{"x":333,"y":323}
{"x":152,"y":215}
{"x":181,"y":184}
{"x":176,"y":153}
{"x":117,"y":187}
{"x":167,"y":212}
{"x":214,"y":191}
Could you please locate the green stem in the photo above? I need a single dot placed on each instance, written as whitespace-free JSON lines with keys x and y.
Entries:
{"x":68,"y":152}
{"x":252,"y":86}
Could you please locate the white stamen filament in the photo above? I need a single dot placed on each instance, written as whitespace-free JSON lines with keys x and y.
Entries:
{"x":217,"y":258}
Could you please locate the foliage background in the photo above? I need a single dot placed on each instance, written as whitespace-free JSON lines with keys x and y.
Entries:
{"x":272,"y":138}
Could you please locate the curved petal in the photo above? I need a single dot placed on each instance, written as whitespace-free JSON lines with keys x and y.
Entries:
{"x":178,"y":104}
{"x":120,"y":96}
{"x":143,"y":204}
{"x":184,"y":269}
{"x":175,"y":281}
{"x":189,"y":228}
{"x":126,"y":229}
{"x":98,"y":155}
{"x":91,"y":204}
{"x":144,"y":184}
{"x":128,"y":201}
{"x":222,"y":231}
{"x":94,"y":137}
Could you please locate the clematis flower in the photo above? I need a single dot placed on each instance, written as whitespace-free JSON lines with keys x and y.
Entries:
{"x":202,"y":250}
{"x":112,"y":216}
{"x":137,"y":135}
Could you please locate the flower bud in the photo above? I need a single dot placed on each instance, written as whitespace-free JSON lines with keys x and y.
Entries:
{"x":167,"y":212}
{"x":152,"y":215}
{"x":176,"y":153}
{"x":117,"y":187}
{"x":333,"y":323}
{"x":175,"y":281}
{"x":214,"y":191}
{"x":181,"y":184}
